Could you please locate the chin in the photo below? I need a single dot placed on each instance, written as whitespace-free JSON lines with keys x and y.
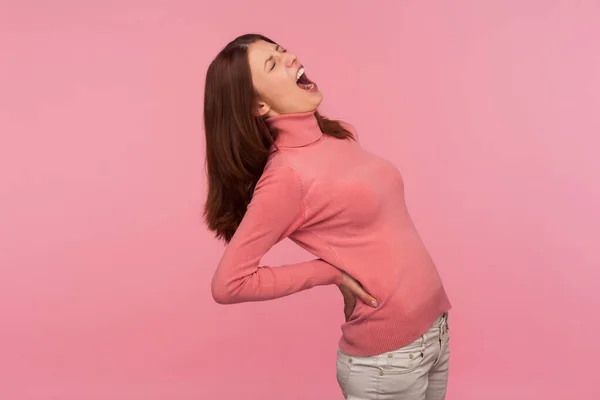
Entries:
{"x":306,"y":104}
{"x":318,"y":99}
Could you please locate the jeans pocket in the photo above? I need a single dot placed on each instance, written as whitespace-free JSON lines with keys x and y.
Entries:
{"x":404,"y":360}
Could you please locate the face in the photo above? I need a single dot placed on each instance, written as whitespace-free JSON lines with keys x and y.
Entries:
{"x":281,"y":82}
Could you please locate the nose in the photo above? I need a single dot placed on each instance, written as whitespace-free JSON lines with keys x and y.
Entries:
{"x":290,"y":59}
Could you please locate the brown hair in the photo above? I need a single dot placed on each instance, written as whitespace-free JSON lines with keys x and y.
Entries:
{"x":238,"y":141}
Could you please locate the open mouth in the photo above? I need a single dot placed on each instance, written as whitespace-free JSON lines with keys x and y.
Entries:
{"x":303,"y":82}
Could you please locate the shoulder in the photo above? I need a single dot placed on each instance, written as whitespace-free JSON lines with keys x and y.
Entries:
{"x":279,"y":188}
{"x":279,"y":180}
{"x":286,"y":165}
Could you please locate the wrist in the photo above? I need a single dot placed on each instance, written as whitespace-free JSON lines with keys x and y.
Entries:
{"x":338,"y":277}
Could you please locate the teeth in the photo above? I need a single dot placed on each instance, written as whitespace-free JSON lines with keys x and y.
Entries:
{"x":300,"y":73}
{"x":309,"y":86}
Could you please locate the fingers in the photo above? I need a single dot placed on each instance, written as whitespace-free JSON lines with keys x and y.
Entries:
{"x":366,"y":297}
{"x":358,"y":291}
{"x":371,"y":301}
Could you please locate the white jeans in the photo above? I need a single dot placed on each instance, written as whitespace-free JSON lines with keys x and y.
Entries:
{"x":418,"y":371}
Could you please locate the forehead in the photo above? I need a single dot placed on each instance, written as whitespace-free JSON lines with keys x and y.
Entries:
{"x":261,"y":47}
{"x":259,"y":52}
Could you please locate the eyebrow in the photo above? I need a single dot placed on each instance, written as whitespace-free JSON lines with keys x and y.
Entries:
{"x":271,"y":58}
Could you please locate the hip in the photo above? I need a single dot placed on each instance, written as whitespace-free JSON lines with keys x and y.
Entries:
{"x":398,"y":371}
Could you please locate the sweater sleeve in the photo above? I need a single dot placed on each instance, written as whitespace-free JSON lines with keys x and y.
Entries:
{"x":277,"y":209}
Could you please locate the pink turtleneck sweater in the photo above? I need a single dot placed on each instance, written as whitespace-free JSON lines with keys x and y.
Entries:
{"x":345,"y":206}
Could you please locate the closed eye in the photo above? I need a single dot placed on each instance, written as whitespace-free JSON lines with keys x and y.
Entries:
{"x":278,"y":49}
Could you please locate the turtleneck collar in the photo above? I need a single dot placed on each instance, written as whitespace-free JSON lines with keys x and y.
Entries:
{"x":295,"y":130}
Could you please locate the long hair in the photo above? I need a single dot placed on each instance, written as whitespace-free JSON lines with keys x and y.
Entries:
{"x":238,"y":141}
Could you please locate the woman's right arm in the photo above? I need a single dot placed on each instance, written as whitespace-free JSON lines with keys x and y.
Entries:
{"x":277,"y":209}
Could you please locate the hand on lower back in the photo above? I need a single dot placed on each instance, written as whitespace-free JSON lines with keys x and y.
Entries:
{"x":352,"y":290}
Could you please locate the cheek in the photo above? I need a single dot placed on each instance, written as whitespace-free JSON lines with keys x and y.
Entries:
{"x":275,"y":89}
{"x":281,"y":84}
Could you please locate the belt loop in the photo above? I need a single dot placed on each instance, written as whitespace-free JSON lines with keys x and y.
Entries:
{"x":446,"y":326}
{"x":443,"y":323}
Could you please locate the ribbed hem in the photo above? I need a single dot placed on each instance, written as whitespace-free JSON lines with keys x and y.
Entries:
{"x":384,"y":332}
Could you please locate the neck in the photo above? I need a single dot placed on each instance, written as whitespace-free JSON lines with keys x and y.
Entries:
{"x":295,"y":130}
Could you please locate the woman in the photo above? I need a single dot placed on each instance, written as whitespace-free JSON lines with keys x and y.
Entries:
{"x":277,"y":169}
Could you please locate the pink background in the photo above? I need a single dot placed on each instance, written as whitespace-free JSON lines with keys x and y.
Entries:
{"x":491,"y":109}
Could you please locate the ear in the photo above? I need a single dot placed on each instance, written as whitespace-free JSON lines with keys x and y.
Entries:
{"x":263,"y":109}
